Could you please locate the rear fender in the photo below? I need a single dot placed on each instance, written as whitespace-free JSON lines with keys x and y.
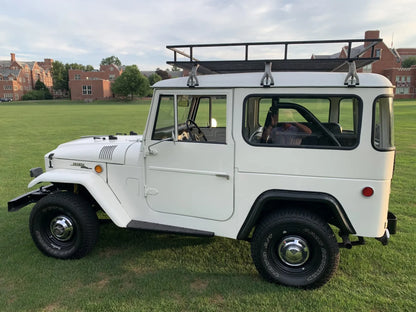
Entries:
{"x":272,"y":200}
{"x":96,"y":186}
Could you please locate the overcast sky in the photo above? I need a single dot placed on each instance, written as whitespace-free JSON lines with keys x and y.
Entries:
{"x":137,"y":31}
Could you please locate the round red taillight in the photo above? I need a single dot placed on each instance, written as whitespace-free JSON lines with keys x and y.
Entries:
{"x":368,"y":191}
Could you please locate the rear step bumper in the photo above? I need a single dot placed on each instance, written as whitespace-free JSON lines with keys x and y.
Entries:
{"x":391,"y":229}
{"x":392,"y":223}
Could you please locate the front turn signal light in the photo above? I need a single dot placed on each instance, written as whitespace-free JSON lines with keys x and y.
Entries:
{"x":98,"y":169}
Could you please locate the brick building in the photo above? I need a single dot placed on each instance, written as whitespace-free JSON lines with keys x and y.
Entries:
{"x":18,"y":78}
{"x":389,"y":65}
{"x":93,"y":85}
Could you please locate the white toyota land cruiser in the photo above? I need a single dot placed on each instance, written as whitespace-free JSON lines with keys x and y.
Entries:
{"x":281,"y":158}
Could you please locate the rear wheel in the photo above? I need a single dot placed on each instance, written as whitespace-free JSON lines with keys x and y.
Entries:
{"x":295,"y":248}
{"x":63,"y":225}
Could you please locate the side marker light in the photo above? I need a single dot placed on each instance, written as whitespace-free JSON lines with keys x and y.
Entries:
{"x":98,"y":169}
{"x":368,"y":191}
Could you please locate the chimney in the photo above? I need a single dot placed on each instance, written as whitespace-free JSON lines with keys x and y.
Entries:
{"x":12,"y":57}
{"x":48,"y":62}
{"x":372,"y":34}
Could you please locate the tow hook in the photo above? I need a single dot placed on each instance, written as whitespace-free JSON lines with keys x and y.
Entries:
{"x":385,"y":238}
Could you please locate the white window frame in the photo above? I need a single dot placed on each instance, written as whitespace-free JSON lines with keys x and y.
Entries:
{"x":86,"y":90}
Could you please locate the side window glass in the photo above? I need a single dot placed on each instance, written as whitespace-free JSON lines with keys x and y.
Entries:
{"x":346,"y":115}
{"x":204,"y":113}
{"x":207,"y":120}
{"x":285,"y":126}
{"x":349,"y":121}
{"x":383,"y":136}
{"x":184,"y":107}
{"x":200,"y":118}
{"x":301,"y":122}
{"x":219,"y":114}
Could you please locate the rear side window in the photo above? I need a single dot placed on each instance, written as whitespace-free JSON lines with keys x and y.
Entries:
{"x":383,"y":136}
{"x":315,"y":122}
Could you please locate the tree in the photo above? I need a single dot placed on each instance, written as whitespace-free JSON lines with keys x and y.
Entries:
{"x":111,"y":60}
{"x":175,"y":68}
{"x":39,"y":85}
{"x":34,"y":95}
{"x":41,"y":92}
{"x":407,"y":63}
{"x":60,"y":74}
{"x":131,"y":82}
{"x":79,"y":66}
{"x":153,"y":78}
{"x":162,"y":73}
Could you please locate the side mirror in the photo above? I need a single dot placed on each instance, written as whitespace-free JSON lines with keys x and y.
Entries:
{"x":151,"y":151}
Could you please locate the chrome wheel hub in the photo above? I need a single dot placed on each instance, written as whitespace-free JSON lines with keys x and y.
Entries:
{"x":61,"y":228}
{"x":293,"y":251}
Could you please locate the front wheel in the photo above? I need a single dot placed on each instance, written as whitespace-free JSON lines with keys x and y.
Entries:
{"x":63,"y":225}
{"x":295,"y":248}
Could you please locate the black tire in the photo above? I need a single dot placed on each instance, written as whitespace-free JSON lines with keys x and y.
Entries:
{"x":63,"y":225}
{"x":295,"y":248}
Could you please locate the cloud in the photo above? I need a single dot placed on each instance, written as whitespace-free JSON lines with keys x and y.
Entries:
{"x":137,"y":31}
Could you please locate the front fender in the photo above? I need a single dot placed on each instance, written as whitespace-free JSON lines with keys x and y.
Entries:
{"x":96,"y":186}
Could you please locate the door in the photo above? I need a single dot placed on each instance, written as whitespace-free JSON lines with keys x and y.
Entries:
{"x":190,"y":156}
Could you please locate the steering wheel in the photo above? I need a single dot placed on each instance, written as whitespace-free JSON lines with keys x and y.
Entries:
{"x":190,"y":124}
{"x":311,"y":117}
{"x":256,"y":135}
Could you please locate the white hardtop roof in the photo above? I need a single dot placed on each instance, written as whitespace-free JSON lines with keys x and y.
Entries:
{"x":281,"y":79}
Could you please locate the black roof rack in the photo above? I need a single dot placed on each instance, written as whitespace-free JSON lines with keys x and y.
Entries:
{"x":322,"y":63}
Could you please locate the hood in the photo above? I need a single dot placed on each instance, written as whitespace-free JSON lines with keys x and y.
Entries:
{"x":109,"y":149}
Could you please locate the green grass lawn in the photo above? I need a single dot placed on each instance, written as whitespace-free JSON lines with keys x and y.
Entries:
{"x":142,"y":271}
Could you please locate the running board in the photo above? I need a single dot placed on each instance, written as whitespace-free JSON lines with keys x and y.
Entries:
{"x":140,"y":225}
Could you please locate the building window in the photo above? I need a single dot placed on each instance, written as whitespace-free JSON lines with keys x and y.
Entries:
{"x":8,"y":87}
{"x":77,"y":77}
{"x":367,"y":68}
{"x":401,"y":90}
{"x":403,"y":84}
{"x":86,"y":90}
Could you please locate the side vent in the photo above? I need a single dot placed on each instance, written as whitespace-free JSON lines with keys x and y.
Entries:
{"x":106,"y":152}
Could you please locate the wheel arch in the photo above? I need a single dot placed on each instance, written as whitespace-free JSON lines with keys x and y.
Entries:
{"x":96,"y":187}
{"x":322,"y":204}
